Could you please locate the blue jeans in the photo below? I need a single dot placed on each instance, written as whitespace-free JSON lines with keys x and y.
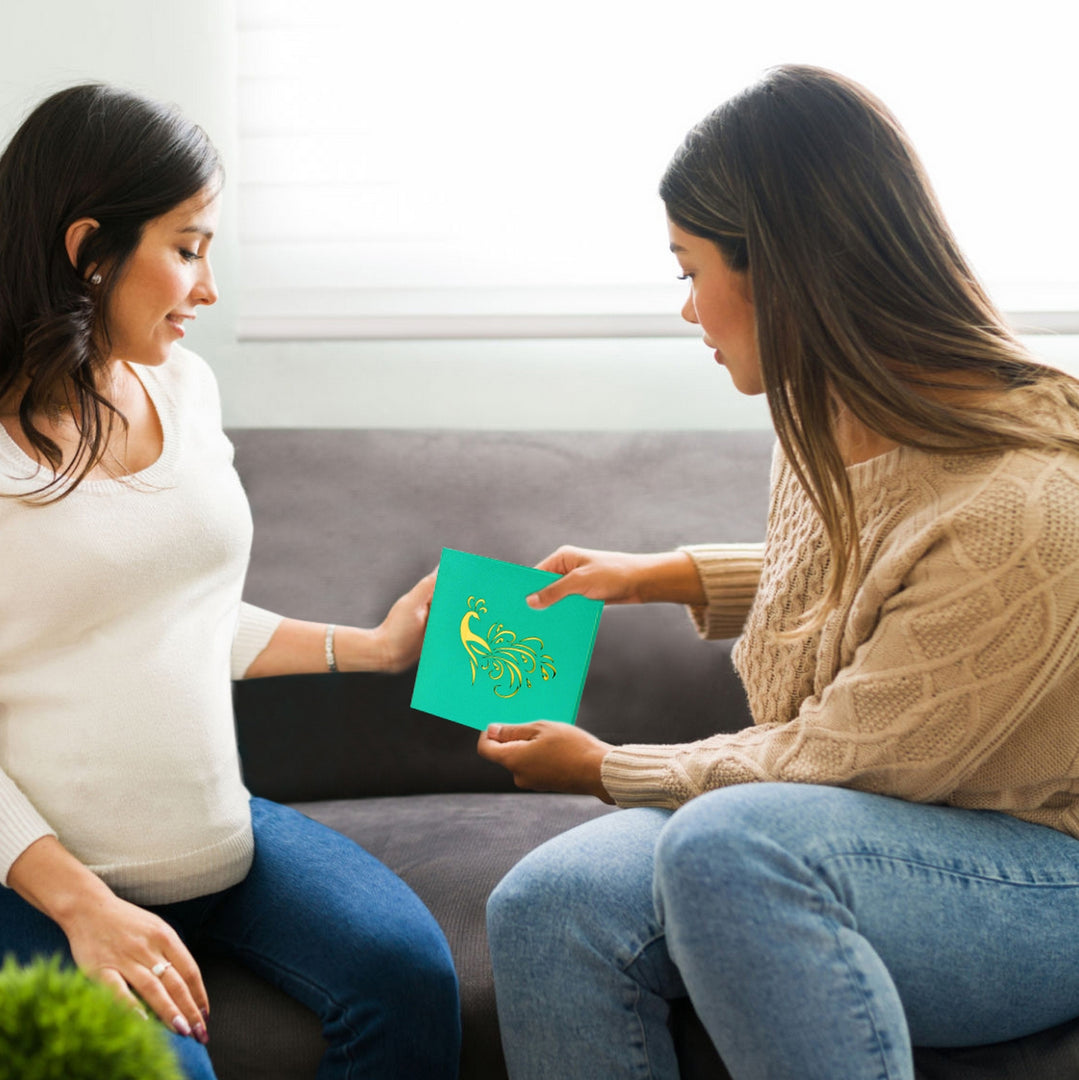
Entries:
{"x":332,"y":927}
{"x":819,"y":933}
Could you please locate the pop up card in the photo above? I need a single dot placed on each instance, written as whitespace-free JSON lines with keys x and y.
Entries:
{"x":490,"y":658}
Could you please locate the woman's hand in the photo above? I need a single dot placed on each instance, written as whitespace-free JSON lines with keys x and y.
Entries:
{"x":111,"y":940}
{"x":400,"y":635}
{"x":119,"y":944}
{"x":620,"y":578}
{"x":548,"y":756}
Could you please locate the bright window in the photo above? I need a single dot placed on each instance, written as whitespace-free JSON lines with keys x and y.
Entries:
{"x":483,"y":168}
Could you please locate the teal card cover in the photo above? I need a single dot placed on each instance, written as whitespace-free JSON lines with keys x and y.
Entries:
{"x":488,"y":658}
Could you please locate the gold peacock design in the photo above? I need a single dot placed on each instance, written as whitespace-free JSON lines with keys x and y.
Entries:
{"x":509,"y":662}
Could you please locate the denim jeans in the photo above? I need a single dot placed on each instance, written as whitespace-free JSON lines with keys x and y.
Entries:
{"x":819,"y":933}
{"x":332,"y":927}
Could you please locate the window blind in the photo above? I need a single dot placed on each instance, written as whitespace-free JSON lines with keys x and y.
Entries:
{"x":484,"y":169}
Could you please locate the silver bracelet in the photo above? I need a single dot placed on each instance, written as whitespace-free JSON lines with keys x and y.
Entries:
{"x":331,"y":656}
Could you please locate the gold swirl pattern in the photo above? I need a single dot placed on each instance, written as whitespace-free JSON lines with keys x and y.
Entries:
{"x":507,"y":661}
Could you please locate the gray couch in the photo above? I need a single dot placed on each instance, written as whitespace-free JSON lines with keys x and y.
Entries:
{"x":344,"y":522}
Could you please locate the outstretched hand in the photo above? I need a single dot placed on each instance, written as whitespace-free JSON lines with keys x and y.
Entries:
{"x":617,"y":577}
{"x":548,"y":756}
{"x":610,"y":576}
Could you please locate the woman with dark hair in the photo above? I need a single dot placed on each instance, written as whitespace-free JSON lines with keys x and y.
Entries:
{"x":888,"y":857}
{"x":126,"y":835}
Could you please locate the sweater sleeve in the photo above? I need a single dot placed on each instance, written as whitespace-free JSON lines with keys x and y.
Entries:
{"x":254,"y":628}
{"x":730,"y":574}
{"x":22,"y":824}
{"x":957,"y":660}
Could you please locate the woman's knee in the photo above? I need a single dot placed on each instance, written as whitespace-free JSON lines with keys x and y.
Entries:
{"x":736,"y":846}
{"x":541,"y":884}
{"x":592,"y":871}
{"x":423,"y":949}
{"x":400,"y":982}
{"x":731,"y":834}
{"x":406,"y":955}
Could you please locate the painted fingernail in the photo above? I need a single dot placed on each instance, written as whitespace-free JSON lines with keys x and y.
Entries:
{"x":201,"y":1034}
{"x":181,"y":1025}
{"x":205,"y":1014}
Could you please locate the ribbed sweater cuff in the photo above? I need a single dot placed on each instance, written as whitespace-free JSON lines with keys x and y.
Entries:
{"x":645,"y":776}
{"x":730,"y":574}
{"x":254,"y":629}
{"x":20,"y":824}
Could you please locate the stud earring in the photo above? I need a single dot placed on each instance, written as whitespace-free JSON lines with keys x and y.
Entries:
{"x":95,"y":279}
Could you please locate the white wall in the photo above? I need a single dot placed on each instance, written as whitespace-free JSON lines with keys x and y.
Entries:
{"x":185,"y":53}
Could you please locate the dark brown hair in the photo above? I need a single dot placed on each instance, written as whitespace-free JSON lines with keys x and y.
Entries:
{"x":90,"y":151}
{"x":807,"y":183}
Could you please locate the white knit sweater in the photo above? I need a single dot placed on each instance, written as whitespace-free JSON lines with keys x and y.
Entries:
{"x":120,"y":625}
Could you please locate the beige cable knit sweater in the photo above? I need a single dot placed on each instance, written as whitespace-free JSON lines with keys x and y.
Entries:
{"x":949,"y":674}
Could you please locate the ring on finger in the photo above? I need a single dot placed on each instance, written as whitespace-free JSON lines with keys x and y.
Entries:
{"x":160,"y":968}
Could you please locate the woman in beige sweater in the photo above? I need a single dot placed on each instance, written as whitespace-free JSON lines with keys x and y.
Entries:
{"x":887,"y":858}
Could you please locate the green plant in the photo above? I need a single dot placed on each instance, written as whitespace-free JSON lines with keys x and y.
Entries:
{"x":56,"y":1024}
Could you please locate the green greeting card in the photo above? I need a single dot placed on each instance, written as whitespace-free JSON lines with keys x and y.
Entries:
{"x":490,"y":658}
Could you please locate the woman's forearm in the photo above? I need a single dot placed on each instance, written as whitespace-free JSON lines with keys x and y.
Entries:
{"x":670,"y":577}
{"x":50,"y":878}
{"x":299,"y":647}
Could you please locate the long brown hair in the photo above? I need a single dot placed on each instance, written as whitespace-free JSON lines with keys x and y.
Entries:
{"x":90,"y":151}
{"x":806,"y":182}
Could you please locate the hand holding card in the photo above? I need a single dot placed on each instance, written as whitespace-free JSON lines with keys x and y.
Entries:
{"x":548,"y":757}
{"x":490,"y":658}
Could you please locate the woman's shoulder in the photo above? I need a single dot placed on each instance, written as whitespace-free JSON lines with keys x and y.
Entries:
{"x":186,"y":384}
{"x":1050,"y":408}
{"x":1001,"y":507}
{"x":185,"y":368}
